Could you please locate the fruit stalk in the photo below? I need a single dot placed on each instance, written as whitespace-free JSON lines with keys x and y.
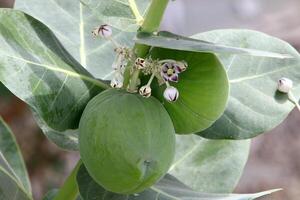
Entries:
{"x":69,"y":190}
{"x":151,"y":24}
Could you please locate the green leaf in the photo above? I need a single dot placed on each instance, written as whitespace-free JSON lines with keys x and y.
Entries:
{"x":172,"y":41}
{"x":72,"y":22}
{"x":209,"y":165}
{"x":254,"y":105}
{"x":168,"y":188}
{"x":203,"y":90}
{"x":36,"y":68}
{"x":14,"y":181}
{"x":117,"y":13}
{"x":51,"y":194}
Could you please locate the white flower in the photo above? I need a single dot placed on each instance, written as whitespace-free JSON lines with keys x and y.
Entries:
{"x":104,"y":31}
{"x":285,"y":85}
{"x":145,"y":91}
{"x":171,"y":94}
{"x":169,"y":72}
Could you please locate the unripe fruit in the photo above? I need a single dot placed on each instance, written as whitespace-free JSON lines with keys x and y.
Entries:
{"x":127,"y":142}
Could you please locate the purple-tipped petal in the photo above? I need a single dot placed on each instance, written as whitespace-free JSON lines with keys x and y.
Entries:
{"x":174,"y":78}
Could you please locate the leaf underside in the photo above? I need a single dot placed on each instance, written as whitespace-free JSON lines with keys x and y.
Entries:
{"x":255,"y":106}
{"x":14,"y":181}
{"x":169,"y":188}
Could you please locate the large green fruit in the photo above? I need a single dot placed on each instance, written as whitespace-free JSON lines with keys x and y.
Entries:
{"x":126,"y":142}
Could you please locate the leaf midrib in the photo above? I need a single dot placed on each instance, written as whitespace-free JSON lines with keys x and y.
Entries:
{"x":64,"y":71}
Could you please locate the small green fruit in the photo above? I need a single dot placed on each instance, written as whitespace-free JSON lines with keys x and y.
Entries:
{"x":203,"y":90}
{"x":126,"y":142}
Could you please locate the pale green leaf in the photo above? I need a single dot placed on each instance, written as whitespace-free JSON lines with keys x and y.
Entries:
{"x":172,"y":41}
{"x":209,"y":165}
{"x":168,"y":188}
{"x":10,"y":153}
{"x":14,"y":181}
{"x":36,"y":68}
{"x":255,"y":106}
{"x":72,"y":22}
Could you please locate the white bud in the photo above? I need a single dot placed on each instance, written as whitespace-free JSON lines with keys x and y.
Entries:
{"x":117,"y":81}
{"x":103,"y":30}
{"x":171,"y":94}
{"x":140,"y":63}
{"x":285,"y":85}
{"x":145,"y":91}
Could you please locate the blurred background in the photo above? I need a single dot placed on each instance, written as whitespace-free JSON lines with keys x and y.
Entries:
{"x":274,"y":160}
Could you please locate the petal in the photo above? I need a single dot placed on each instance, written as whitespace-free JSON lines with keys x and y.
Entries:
{"x":174,"y":78}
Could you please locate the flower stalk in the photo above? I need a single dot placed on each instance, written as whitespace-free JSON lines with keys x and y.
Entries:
{"x":151,"y":24}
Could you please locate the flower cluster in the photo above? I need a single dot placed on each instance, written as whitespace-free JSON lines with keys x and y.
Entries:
{"x":164,"y":70}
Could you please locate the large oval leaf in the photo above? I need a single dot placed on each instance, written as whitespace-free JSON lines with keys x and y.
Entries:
{"x":73,"y":20}
{"x":254,"y":105}
{"x":169,"y":40}
{"x":169,"y":188}
{"x":209,"y":165}
{"x":36,"y":68}
{"x":14,"y":181}
{"x":203,"y":90}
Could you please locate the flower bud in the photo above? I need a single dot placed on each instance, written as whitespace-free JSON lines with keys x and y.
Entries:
{"x":117,"y":81}
{"x":104,"y":31}
{"x":171,"y":94}
{"x":285,"y":85}
{"x":145,"y":91}
{"x":180,"y":66}
{"x":140,"y":63}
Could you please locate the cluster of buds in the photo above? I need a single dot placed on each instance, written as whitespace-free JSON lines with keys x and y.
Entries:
{"x":119,"y":65}
{"x":122,"y":55}
{"x":166,"y":71}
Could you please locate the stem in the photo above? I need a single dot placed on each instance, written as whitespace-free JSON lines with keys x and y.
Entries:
{"x":139,"y":18}
{"x":294,"y":100}
{"x":151,"y":79}
{"x":167,"y":84}
{"x":69,"y":190}
{"x":151,"y":24}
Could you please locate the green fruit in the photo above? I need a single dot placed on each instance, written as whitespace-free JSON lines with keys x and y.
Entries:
{"x":126,"y":142}
{"x":203,"y":90}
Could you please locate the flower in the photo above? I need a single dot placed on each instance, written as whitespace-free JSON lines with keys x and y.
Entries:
{"x":285,"y":85}
{"x":145,"y":91}
{"x":169,"y":72}
{"x":140,"y":63}
{"x":171,"y":94}
{"x":103,"y":30}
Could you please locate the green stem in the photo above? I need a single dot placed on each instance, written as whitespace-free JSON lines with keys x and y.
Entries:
{"x":151,"y":24}
{"x":69,"y":190}
{"x":294,"y":100}
{"x":139,"y":18}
